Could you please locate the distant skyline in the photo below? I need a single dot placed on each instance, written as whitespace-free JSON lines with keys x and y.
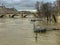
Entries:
{"x":22,"y":4}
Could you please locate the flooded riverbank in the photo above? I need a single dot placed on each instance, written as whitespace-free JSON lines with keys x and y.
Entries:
{"x":20,"y":32}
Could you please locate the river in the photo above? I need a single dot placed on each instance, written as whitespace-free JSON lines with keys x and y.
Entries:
{"x":20,"y":32}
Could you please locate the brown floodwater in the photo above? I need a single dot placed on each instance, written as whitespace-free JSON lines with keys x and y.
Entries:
{"x":20,"y":32}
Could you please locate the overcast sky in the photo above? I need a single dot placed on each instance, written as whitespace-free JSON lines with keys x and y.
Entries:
{"x":22,"y":4}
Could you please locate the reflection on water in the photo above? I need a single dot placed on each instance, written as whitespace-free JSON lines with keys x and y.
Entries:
{"x":20,"y":32}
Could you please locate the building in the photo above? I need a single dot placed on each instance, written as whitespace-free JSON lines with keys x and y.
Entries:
{"x":11,"y":11}
{"x":4,"y":10}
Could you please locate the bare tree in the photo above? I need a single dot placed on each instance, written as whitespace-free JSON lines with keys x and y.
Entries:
{"x":38,"y":8}
{"x":46,"y":10}
{"x":58,"y":6}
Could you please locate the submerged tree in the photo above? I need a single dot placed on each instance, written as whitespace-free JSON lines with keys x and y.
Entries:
{"x":38,"y":8}
{"x":46,"y":10}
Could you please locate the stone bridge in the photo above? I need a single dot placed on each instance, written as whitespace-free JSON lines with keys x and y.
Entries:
{"x":13,"y":15}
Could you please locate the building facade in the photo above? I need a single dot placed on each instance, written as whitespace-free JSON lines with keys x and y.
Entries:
{"x":4,"y":10}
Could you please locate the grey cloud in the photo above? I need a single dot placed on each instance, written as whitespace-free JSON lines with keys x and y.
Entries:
{"x":20,"y":4}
